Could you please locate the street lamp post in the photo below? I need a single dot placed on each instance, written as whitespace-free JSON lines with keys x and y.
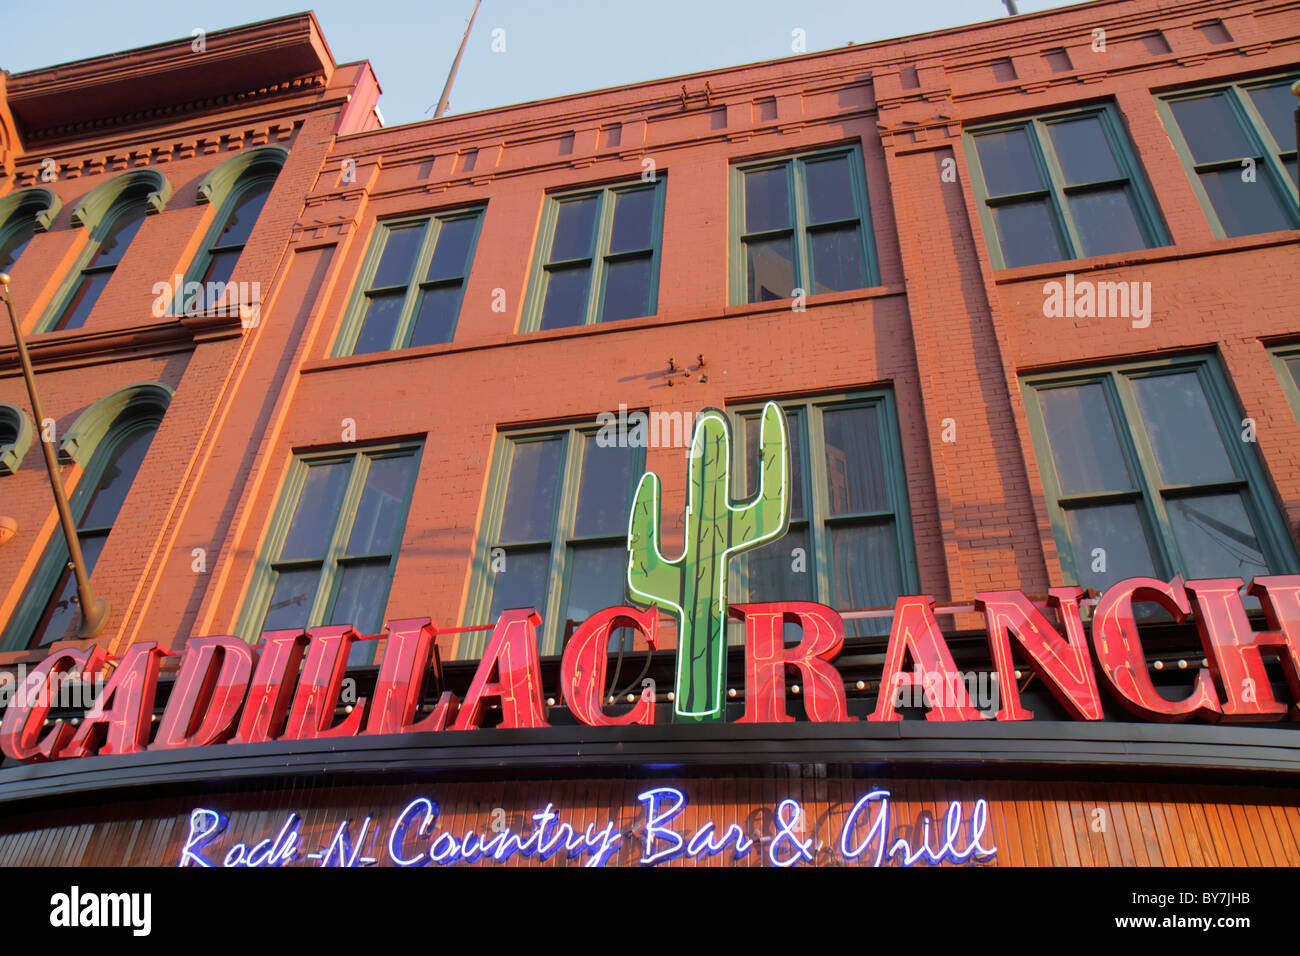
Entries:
{"x":94,"y":611}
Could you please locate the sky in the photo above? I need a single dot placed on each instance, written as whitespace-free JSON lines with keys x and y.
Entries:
{"x":551,"y":47}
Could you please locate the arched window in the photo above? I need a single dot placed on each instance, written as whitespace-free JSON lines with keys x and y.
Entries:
{"x":238,"y":188}
{"x":113,"y":213}
{"x":110,"y":441}
{"x":15,"y":437}
{"x":22,"y":215}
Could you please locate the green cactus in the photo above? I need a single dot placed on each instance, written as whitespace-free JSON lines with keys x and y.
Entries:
{"x":693,"y":588}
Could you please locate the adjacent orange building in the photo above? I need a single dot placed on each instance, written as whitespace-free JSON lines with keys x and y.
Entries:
{"x":1026,"y":291}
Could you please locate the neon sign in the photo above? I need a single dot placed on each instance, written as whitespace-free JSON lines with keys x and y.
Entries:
{"x":415,"y":839}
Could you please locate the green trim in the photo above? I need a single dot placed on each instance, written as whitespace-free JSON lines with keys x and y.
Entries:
{"x":799,"y":228}
{"x":599,"y":254}
{"x":101,"y":429}
{"x":354,"y":319}
{"x":560,"y":542}
{"x":1279,"y":356}
{"x":11,"y":455}
{"x":217,"y":185}
{"x":93,"y":208}
{"x":39,"y":203}
{"x":1132,"y":179}
{"x":1149,"y":492}
{"x":256,"y":602}
{"x":1257,"y":134}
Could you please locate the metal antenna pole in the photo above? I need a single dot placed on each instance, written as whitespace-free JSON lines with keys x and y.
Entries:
{"x":455,"y":64}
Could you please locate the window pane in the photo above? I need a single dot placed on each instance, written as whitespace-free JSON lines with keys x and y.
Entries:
{"x":771,"y":269}
{"x":123,"y":229}
{"x":575,"y":222}
{"x":111,"y":490}
{"x":63,"y":612}
{"x":295,"y":591}
{"x":362,"y":596}
{"x":1293,"y":366}
{"x":1027,"y":234}
{"x":566,"y":297}
{"x":767,"y":199}
{"x":1083,"y":152}
{"x":1215,"y":537}
{"x":1277,"y":107}
{"x":770,"y":570}
{"x":596,"y":581}
{"x":794,"y":442}
{"x":382,"y":508}
{"x":1007,"y":161}
{"x":1244,"y":208}
{"x":380,"y":323}
{"x":627,"y":289}
{"x":241,"y":219}
{"x":1117,"y":531}
{"x":435,"y":323}
{"x":1186,"y":441}
{"x":855,"y":473}
{"x":633,"y":218}
{"x":1290,"y":165}
{"x":220,"y":269}
{"x":1211,"y":128}
{"x":837,"y":260}
{"x":522,"y":583}
{"x":317,"y":511}
{"x":16,"y":242}
{"x":451,"y":254}
{"x":1107,"y":221}
{"x":83,"y":300}
{"x":398,"y":257}
{"x":830,"y":190}
{"x":530,"y":496}
{"x":865,"y":565}
{"x":1085,"y":447}
{"x":605,"y":492}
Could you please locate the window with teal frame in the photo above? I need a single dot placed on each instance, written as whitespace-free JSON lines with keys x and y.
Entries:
{"x":1286,"y":362}
{"x":412,"y":283}
{"x":597,"y":256}
{"x":1061,"y":186}
{"x":334,"y":541}
{"x":1149,"y":470}
{"x":801,"y":225}
{"x":225,"y":243}
{"x":23,"y":214}
{"x":1238,"y":145}
{"x":554,"y":535}
{"x":850,"y":540}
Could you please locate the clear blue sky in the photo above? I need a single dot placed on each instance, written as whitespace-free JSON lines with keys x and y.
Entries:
{"x":553,"y":47}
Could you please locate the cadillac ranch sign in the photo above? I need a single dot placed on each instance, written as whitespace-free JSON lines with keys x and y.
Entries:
{"x":288,"y":687}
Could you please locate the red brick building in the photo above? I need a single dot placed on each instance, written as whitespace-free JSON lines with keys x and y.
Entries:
{"x":1026,"y":290}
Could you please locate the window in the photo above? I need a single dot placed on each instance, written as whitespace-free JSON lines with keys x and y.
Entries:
{"x":1286,"y":361}
{"x":23,"y":214}
{"x":1061,"y":187}
{"x":556,"y":533}
{"x":412,"y":281}
{"x":598,"y":256}
{"x":217,"y":262}
{"x":334,"y":542}
{"x":850,"y":539}
{"x":802,"y":226}
{"x":1147,"y":474}
{"x":15,"y":437}
{"x":109,"y":239}
{"x":1238,"y":144}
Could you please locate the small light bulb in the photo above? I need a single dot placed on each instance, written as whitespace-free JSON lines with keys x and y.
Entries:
{"x":861,"y":685}
{"x":1182,"y":665}
{"x":1205,"y":662}
{"x":347,"y":709}
{"x":631,"y":698}
{"x":731,"y":692}
{"x":1017,"y":675}
{"x":550,"y":702}
{"x":1159,"y":665}
{"x":794,"y":689}
{"x":671,"y":695}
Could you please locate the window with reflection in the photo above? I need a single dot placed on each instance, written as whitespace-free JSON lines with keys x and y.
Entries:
{"x":412,"y":283}
{"x":555,"y":537}
{"x":335,"y":542}
{"x":597,"y":256}
{"x":850,"y":540}
{"x":110,"y":240}
{"x":802,"y":227}
{"x":1148,"y":473}
{"x":15,"y":232}
{"x":229,"y":236}
{"x":1065,"y":186}
{"x":1238,"y":144}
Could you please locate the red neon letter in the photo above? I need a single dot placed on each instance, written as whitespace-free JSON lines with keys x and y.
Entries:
{"x":767,"y":657}
{"x":509,"y":670}
{"x":207,"y":694}
{"x":582,"y":670}
{"x":319,"y":686}
{"x":407,"y":657}
{"x":269,"y":695}
{"x":1124,"y":666}
{"x":122,"y":715}
{"x":20,"y":734}
{"x":1234,"y":649}
{"x":1064,"y":665}
{"x":917,"y":633}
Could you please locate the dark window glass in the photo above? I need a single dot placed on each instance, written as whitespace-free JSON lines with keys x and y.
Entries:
{"x":115,"y":234}
{"x":1277,"y":108}
{"x":319,"y":505}
{"x":627,"y":289}
{"x":1181,"y":428}
{"x":1244,"y":208}
{"x":855,"y":468}
{"x":1083,"y":152}
{"x":15,"y":241}
{"x":383,"y":312}
{"x":530,"y":496}
{"x":1027,"y":233}
{"x":295,"y":592}
{"x":1107,"y":221}
{"x":451,"y":253}
{"x":1082,"y":436}
{"x":436,"y":321}
{"x":398,"y":258}
{"x":1216,"y":537}
{"x":633,"y":221}
{"x":119,"y":236}
{"x":1110,"y":544}
{"x":89,"y":286}
{"x":1008,"y":163}
{"x":574,"y":223}
{"x":566,"y":297}
{"x":771,"y":269}
{"x":240,"y":222}
{"x":767,"y":199}
{"x":604,"y":490}
{"x":521,"y":583}
{"x":596,"y":580}
{"x":830,"y":190}
{"x":1211,"y":129}
{"x":837,"y":264}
